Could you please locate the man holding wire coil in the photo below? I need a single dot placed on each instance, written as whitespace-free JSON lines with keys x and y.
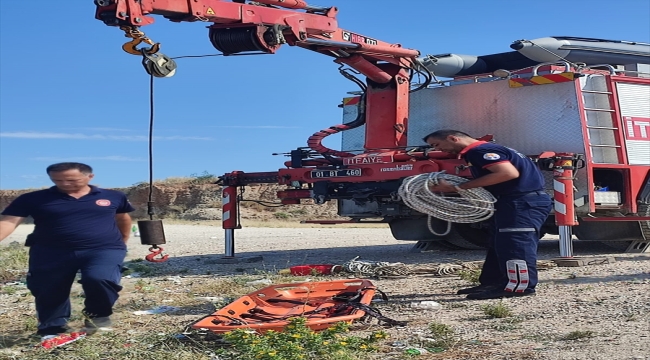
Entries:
{"x":522,"y":206}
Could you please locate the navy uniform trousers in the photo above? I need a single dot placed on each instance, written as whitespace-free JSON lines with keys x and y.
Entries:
{"x":511,"y":261}
{"x":52,"y":272}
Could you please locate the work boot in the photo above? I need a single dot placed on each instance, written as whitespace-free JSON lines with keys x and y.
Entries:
{"x":92,"y":325}
{"x":498,"y":294}
{"x":475,"y":289}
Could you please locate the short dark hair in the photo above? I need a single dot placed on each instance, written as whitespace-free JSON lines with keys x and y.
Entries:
{"x":64,"y":166}
{"x":442,"y":134}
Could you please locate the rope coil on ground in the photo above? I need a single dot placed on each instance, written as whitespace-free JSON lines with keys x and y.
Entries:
{"x":375,"y":268}
{"x":466,"y":206}
{"x":397,"y":269}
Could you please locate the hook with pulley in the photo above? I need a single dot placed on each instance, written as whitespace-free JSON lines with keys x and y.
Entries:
{"x":155,"y":63}
{"x":158,"y":65}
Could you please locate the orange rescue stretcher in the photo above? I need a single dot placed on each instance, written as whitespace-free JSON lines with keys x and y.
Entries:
{"x":322,"y":304}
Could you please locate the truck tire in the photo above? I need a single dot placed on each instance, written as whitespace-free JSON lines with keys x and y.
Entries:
{"x":479,"y":234}
{"x":413,"y":229}
{"x":416,"y":229}
{"x":618,"y":246}
{"x":616,"y":235}
{"x":461,"y":242}
{"x":475,"y":234}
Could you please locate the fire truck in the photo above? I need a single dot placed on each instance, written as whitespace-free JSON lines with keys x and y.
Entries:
{"x":600,"y":116}
{"x":580,"y":107}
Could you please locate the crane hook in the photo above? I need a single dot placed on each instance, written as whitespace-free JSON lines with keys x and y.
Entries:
{"x":155,"y":251}
{"x":138,"y":37}
{"x":130,"y":47}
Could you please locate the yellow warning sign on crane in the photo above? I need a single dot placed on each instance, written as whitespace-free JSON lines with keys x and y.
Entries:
{"x":209,"y":11}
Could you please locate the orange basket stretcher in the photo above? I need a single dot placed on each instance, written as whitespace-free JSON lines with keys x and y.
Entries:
{"x":322,"y":304}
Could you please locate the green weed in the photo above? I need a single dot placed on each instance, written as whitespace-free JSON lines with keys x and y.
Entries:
{"x":470,"y":275}
{"x":443,"y":335}
{"x":298,"y":342}
{"x":499,"y":310}
{"x":142,"y":269}
{"x":9,"y":290}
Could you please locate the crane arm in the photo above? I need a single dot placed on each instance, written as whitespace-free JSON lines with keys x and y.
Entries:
{"x":264,"y":26}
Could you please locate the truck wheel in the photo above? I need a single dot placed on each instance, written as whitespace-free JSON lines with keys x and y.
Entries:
{"x":434,"y":245}
{"x":416,"y":229}
{"x":461,"y":242}
{"x":478,"y":235}
{"x":616,"y":235}
{"x":618,"y":246}
{"x":474,"y":234}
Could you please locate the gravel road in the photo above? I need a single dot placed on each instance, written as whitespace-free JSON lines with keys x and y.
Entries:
{"x":610,"y":302}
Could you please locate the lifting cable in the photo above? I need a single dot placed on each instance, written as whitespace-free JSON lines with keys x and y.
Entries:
{"x":151,"y":117}
{"x":151,"y":231}
{"x":466,"y":206}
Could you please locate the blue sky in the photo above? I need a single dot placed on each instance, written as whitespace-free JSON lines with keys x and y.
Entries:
{"x":69,"y":93}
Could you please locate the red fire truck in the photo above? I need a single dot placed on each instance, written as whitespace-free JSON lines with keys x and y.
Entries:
{"x":599,"y":112}
{"x":578,"y":106}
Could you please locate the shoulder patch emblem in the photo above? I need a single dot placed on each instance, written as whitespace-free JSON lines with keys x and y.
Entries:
{"x":103,"y":202}
{"x":491,"y":156}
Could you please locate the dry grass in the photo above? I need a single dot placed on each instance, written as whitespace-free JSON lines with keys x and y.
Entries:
{"x":13,"y":262}
{"x":136,"y":336}
{"x":578,"y":334}
{"x":194,"y":179}
{"x":160,"y":343}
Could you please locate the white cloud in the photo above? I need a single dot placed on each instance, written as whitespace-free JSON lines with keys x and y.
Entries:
{"x":51,"y":135}
{"x":256,"y":127}
{"x":88,"y":158}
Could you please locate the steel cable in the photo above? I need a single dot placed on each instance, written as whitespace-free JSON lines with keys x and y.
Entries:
{"x":466,"y":206}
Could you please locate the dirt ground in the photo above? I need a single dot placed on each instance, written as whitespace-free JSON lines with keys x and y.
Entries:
{"x":599,"y":311}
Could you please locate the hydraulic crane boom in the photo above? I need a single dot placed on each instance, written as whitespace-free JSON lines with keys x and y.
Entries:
{"x":263,"y":26}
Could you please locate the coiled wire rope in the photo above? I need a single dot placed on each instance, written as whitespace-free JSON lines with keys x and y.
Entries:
{"x":465,"y":206}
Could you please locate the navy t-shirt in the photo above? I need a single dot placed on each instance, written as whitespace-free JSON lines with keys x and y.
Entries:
{"x":65,"y":222}
{"x":481,"y":155}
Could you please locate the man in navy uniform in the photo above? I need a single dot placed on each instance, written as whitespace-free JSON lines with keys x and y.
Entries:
{"x":78,"y":227}
{"x":510,"y":267}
